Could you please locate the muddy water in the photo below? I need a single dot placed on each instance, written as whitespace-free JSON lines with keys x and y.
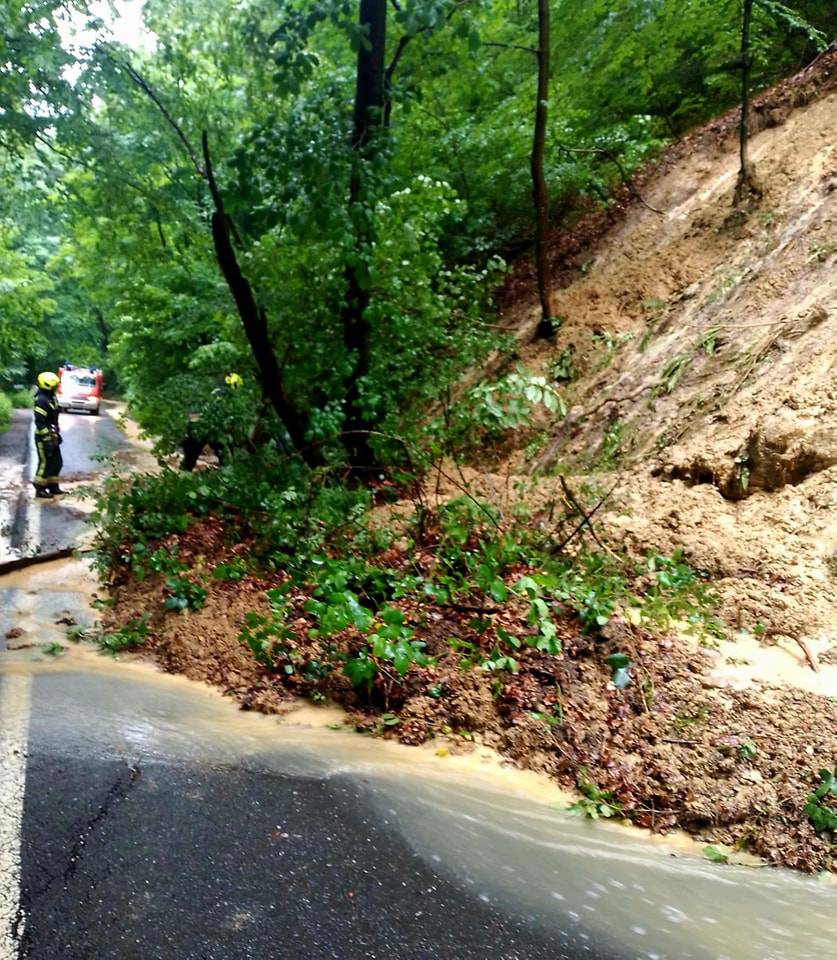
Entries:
{"x":499,"y":833}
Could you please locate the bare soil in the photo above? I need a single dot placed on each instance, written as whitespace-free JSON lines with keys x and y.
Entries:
{"x":705,"y":345}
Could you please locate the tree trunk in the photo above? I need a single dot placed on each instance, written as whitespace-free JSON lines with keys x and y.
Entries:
{"x":747,"y":185}
{"x":254,"y":321}
{"x":540,"y":190}
{"x":369,"y":118}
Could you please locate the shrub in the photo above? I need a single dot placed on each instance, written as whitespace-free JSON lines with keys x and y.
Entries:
{"x":132,"y":634}
{"x":5,"y":412}
{"x":23,"y":399}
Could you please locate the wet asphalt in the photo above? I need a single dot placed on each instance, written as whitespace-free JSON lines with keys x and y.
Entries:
{"x":31,"y":527}
{"x":161,"y":862}
{"x":143,"y":838}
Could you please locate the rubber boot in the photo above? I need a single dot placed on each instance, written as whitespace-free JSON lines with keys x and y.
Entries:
{"x":43,"y":493}
{"x":55,"y":490}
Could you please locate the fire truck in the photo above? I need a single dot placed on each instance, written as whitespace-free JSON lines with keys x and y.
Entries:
{"x":80,"y":388}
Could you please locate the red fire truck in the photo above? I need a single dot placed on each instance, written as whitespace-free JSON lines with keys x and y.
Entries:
{"x":80,"y":388}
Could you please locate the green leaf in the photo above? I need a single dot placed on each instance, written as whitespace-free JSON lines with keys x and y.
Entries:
{"x":361,"y":670}
{"x":617,"y":661}
{"x":499,"y":591}
{"x":392,"y":616}
{"x":716,"y":853}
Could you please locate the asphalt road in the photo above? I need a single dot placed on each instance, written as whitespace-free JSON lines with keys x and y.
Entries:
{"x":151,"y":827}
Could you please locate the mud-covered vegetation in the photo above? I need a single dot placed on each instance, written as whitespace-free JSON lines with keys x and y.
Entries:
{"x":435,"y":616}
{"x":299,"y":237}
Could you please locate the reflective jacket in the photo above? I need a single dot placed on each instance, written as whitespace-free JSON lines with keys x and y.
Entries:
{"x":46,"y":415}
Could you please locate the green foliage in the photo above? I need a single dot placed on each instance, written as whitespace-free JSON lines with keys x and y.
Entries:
{"x":132,"y":634}
{"x":106,"y":254}
{"x":677,"y":592}
{"x":236,"y":569}
{"x":716,"y":853}
{"x":620,"y":664}
{"x":183,"y":594}
{"x":595,"y":802}
{"x":269,"y":639}
{"x":611,"y":449}
{"x":23,"y":399}
{"x":823,"y":815}
{"x":5,"y":412}
{"x":391,"y":644}
{"x":545,"y":637}
{"x":563,"y":369}
{"x":488,"y":410}
{"x":673,"y":371}
{"x":708,"y":340}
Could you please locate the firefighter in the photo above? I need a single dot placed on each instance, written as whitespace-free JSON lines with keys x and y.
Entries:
{"x":213,"y":426}
{"x":47,"y":437}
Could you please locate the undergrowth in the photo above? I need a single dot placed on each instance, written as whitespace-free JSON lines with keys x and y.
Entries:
{"x":370,"y":591}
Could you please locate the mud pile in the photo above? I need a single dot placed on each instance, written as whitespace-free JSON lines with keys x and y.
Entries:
{"x":704,"y":340}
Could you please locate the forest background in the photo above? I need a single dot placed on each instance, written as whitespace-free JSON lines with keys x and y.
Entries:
{"x":363,"y":244}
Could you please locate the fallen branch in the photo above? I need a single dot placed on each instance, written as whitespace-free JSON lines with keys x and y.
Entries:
{"x":586,"y":521}
{"x":468,"y":608}
{"x":810,"y":656}
{"x":22,"y":562}
{"x":587,"y":517}
{"x":631,"y":396}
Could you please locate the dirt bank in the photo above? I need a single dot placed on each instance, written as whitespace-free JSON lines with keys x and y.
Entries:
{"x":704,"y":345}
{"x":684,"y":745}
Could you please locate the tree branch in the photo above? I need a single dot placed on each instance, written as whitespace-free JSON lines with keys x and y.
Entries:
{"x":513,"y":46}
{"x":407,"y":37}
{"x":611,"y":156}
{"x":149,"y":91}
{"x":587,"y":521}
{"x":587,"y":518}
{"x":209,"y":173}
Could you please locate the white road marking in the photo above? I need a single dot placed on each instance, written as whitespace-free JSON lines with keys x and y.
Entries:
{"x":32,"y":536}
{"x":15,"y":697}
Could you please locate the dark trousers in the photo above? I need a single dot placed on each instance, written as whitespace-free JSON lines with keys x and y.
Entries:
{"x":50,"y":463}
{"x":193,"y":447}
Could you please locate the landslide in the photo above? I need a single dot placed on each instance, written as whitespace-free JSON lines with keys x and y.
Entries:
{"x":701,"y":418}
{"x":704,"y":343}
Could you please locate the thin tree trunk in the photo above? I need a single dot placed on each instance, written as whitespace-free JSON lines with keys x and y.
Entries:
{"x":252,"y":316}
{"x":369,"y":118}
{"x":540,"y":190}
{"x":253,"y":319}
{"x":747,"y":185}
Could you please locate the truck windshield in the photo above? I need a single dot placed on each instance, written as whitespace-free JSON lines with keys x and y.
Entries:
{"x":81,"y":379}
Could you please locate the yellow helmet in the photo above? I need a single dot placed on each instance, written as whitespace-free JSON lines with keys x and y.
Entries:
{"x":48,"y":380}
{"x":233,"y":380}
